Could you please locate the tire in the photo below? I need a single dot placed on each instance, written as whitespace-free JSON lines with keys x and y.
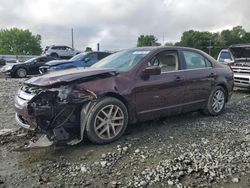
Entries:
{"x":216,"y":102}
{"x":55,"y":55}
{"x":21,"y":73}
{"x":107,"y":121}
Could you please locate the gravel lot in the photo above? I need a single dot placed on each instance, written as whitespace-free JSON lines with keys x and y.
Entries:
{"x":189,"y":150}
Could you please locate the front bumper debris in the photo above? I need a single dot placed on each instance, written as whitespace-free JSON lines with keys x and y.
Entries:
{"x":43,"y":141}
{"x":54,"y":112}
{"x":22,"y":124}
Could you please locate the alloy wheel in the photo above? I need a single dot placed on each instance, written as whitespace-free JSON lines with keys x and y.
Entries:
{"x":21,"y":73}
{"x":218,"y":101}
{"x":109,"y":122}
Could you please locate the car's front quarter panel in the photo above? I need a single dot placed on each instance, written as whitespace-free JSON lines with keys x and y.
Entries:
{"x":120,"y":86}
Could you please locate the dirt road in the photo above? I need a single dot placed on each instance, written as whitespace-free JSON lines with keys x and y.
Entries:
{"x":190,"y":150}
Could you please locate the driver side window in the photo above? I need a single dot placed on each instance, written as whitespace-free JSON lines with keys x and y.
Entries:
{"x":42,"y":60}
{"x":92,"y":57}
{"x":167,"y":61}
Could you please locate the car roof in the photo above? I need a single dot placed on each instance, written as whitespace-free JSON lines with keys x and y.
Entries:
{"x":59,"y":46}
{"x":224,"y":50}
{"x":240,"y":45}
{"x":160,"y":48}
{"x":152,"y":48}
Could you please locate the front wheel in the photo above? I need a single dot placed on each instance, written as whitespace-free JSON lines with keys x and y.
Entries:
{"x":216,"y":101}
{"x":21,"y":73}
{"x":107,"y":121}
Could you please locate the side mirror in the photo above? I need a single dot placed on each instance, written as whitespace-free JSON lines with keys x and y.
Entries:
{"x":35,"y":61}
{"x":228,"y":61}
{"x":149,"y":71}
{"x":87,"y":59}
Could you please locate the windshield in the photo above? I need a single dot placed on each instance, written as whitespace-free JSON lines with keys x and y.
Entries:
{"x":30,"y":60}
{"x":225,"y":55}
{"x":122,"y":61}
{"x":79,"y":57}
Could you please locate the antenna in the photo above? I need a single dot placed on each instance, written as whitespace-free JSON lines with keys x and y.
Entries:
{"x":163,"y":38}
{"x":72,"y":37}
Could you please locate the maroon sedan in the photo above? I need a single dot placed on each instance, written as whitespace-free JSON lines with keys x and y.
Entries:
{"x":133,"y":85}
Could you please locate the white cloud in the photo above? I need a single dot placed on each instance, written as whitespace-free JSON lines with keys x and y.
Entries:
{"x":116,"y":24}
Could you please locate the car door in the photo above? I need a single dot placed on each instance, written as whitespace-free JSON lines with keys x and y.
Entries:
{"x":69,"y":52}
{"x":36,"y":64}
{"x":62,"y":52}
{"x":200,"y":77}
{"x":162,"y":94}
{"x":32,"y":66}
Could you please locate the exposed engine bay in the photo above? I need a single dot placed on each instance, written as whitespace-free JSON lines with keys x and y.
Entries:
{"x":56,"y":110}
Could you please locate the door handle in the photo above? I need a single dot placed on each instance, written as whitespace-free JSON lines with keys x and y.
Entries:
{"x":178,"y":79}
{"x":212,"y":75}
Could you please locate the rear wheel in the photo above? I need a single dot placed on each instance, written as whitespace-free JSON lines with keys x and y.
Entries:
{"x":55,"y":55}
{"x":107,"y":121}
{"x":216,"y":101}
{"x":21,"y":73}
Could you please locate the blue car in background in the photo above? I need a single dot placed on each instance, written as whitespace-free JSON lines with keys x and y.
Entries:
{"x":85,"y":59}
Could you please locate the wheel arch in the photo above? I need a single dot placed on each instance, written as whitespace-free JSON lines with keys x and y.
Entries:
{"x":225,"y":88}
{"x":117,"y":96}
{"x":54,"y":53}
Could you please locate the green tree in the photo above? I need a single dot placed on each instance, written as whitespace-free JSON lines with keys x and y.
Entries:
{"x":19,"y":42}
{"x":147,"y":40}
{"x":88,"y":49}
{"x":234,"y":36}
{"x":214,"y":42}
{"x":169,"y":44}
{"x":196,"y":39}
{"x":246,"y":38}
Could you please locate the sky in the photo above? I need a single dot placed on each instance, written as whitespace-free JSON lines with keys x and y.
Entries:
{"x":116,"y":24}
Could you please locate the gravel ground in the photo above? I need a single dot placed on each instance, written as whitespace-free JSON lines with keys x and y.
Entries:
{"x":189,"y":150}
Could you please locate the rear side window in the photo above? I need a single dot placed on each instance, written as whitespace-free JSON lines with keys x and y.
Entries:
{"x":195,"y":60}
{"x":102,"y":55}
{"x":54,"y":47}
{"x":92,"y":56}
{"x":63,"y":48}
{"x":67,"y":48}
{"x":43,"y":59}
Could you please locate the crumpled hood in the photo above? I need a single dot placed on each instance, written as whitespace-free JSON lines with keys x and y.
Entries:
{"x":240,"y":51}
{"x":68,"y":75}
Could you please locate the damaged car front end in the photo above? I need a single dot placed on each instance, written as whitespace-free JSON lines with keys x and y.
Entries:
{"x":52,"y":107}
{"x":241,"y":65}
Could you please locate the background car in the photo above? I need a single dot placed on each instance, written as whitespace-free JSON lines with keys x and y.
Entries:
{"x":128,"y":86}
{"x":29,"y":67}
{"x":61,"y":51}
{"x":241,"y":64}
{"x":225,"y":56}
{"x":85,"y":59}
{"x":2,"y":62}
